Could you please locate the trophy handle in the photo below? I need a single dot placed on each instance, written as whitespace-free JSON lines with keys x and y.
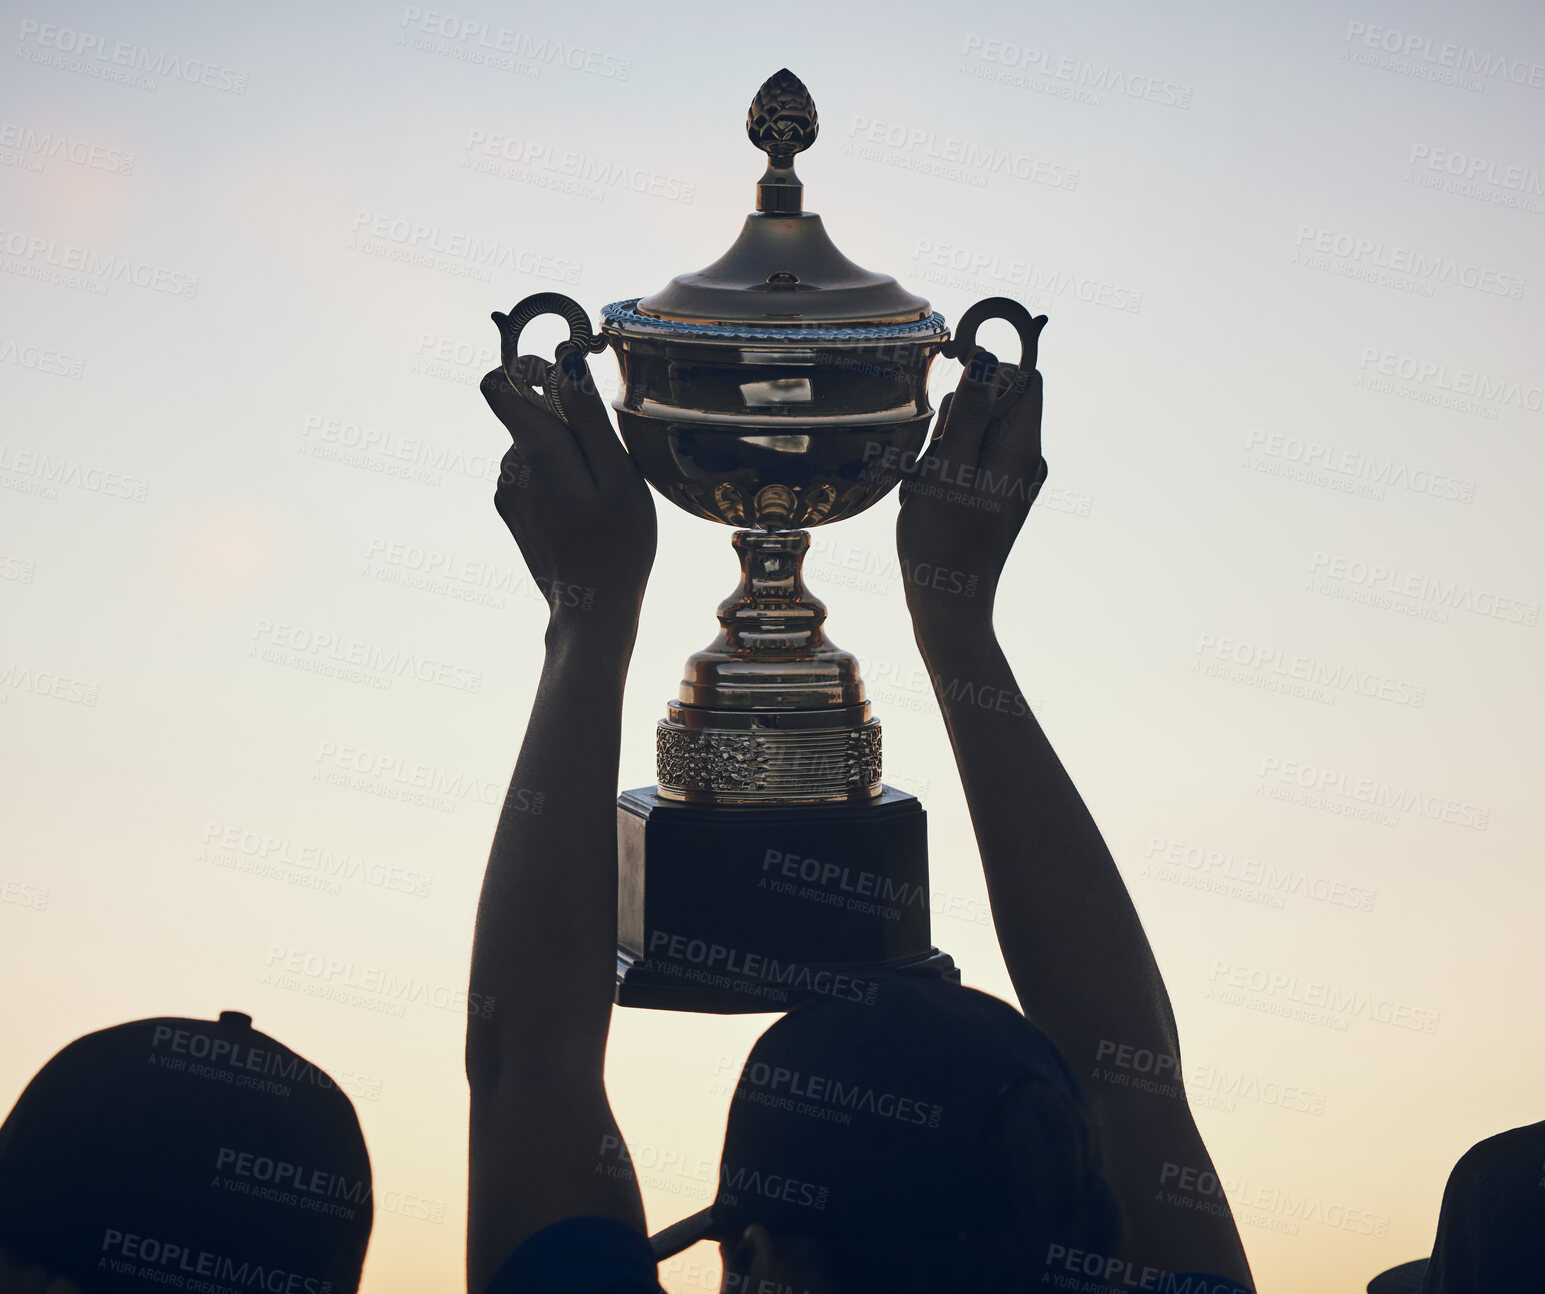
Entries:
{"x":581,"y":340}
{"x":962,"y":345}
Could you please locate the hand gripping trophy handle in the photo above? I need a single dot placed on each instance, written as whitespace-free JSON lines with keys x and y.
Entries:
{"x":581,"y":340}
{"x":963,"y":345}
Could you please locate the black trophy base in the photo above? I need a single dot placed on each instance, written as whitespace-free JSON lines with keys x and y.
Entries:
{"x":734,"y":910}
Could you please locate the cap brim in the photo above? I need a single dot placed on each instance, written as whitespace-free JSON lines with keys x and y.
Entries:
{"x":1405,"y":1279}
{"x":683,"y":1234}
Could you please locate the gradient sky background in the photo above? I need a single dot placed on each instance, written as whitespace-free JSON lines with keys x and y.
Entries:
{"x":1173,"y":522}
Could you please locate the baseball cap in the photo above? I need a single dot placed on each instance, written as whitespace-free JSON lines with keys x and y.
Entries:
{"x":851,"y":1118}
{"x":176,"y":1151}
{"x":1404,"y":1279}
{"x":1490,"y":1223}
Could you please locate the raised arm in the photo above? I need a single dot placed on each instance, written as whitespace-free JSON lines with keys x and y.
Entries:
{"x":1074,"y":947}
{"x":544,"y":1144}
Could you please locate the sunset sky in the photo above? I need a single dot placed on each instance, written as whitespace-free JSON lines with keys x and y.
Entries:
{"x":1278,"y":607}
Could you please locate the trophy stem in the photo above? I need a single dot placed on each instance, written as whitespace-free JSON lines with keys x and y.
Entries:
{"x":771,"y":712}
{"x":771,"y":611}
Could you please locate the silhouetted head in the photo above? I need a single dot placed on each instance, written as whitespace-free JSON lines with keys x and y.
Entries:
{"x":170,"y":1152}
{"x":1491,"y":1229}
{"x":930,"y":1140}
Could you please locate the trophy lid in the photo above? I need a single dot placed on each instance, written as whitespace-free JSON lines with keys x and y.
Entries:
{"x":783,"y":269}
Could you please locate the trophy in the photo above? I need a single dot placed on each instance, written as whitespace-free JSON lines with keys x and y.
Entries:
{"x":773,"y":391}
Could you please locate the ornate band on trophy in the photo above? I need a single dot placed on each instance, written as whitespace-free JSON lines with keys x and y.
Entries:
{"x":626,"y":314}
{"x":762,"y":765}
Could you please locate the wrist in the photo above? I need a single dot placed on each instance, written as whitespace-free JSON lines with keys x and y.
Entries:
{"x":599,"y":638}
{"x":948,"y":641}
{"x":940,"y":622}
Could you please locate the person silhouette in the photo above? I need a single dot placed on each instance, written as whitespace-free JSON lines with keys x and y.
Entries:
{"x":196,"y":1154}
{"x":1490,"y":1226}
{"x":1018,"y":1173}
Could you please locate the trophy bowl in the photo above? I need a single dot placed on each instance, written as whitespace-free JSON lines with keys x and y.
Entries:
{"x":771,"y":427}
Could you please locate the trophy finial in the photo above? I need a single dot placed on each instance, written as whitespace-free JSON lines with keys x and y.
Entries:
{"x":782,"y":120}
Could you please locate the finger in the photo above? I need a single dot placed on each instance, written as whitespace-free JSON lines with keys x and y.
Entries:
{"x":969,"y":413}
{"x":1007,"y":384}
{"x":942,"y":420}
{"x":508,"y":405}
{"x":530,"y":369}
{"x":927,"y":458}
{"x":1004,"y":393}
{"x":538,"y":435}
{"x":1014,"y":430}
{"x":585,"y":412}
{"x":514,"y":477}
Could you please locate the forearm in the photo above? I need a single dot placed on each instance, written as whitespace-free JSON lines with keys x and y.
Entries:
{"x":1074,"y":947}
{"x":544,"y":950}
